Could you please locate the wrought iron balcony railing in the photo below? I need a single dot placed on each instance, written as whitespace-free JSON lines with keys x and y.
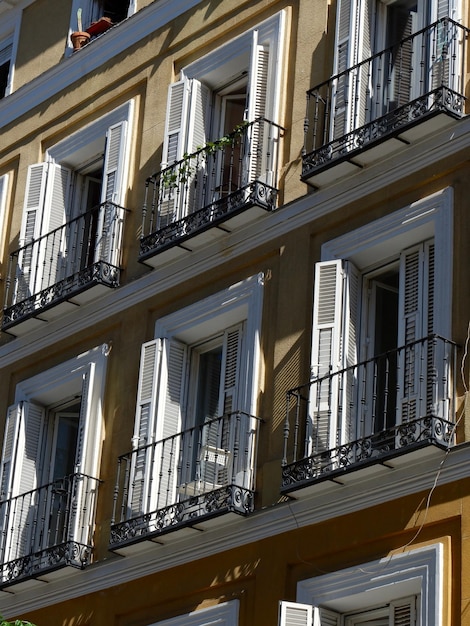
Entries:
{"x":48,"y":528}
{"x":60,"y":265}
{"x":209,"y":187}
{"x":196,"y":474}
{"x":364,"y":414}
{"x":416,"y":79}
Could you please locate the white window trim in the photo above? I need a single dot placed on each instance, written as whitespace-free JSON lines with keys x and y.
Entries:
{"x":65,"y":380}
{"x":242,"y":301}
{"x":225,"y":614}
{"x":418,"y":571}
{"x":431,"y":217}
{"x":270,"y":31}
{"x":8,"y":41}
{"x":3,"y":214}
{"x":85,"y":136}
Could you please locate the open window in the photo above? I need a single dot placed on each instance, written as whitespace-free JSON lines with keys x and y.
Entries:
{"x":93,"y":10}
{"x":195,"y":428}
{"x":6,"y":52}
{"x":381,"y":348}
{"x":72,"y":210}
{"x":365,"y":91}
{"x":50,"y":464}
{"x":214,"y":97}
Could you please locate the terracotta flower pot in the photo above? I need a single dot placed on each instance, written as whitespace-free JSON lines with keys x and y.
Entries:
{"x":79,"y":39}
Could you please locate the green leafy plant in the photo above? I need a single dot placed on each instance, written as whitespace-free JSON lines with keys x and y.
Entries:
{"x":17,"y":622}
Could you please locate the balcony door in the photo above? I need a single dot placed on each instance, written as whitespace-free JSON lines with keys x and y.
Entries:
{"x":57,"y":499}
{"x":365,"y":385}
{"x":379,"y":65}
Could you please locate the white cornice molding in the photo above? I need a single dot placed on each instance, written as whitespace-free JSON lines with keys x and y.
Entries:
{"x":74,"y":68}
{"x":389,"y":485}
{"x":286,"y":219}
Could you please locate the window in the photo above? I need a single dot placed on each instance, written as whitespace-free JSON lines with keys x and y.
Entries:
{"x":367,"y":27}
{"x":86,"y":169}
{"x":375,"y":304}
{"x":50,"y":464}
{"x":3,"y":213}
{"x":404,"y":589}
{"x":93,"y":10}
{"x":197,"y":399}
{"x":238,"y":83}
{"x":6,"y":51}
{"x":225,"y":614}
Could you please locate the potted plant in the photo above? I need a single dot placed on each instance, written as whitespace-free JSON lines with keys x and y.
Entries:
{"x":79,"y":37}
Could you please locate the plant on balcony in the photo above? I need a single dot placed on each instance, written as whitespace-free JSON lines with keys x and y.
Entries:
{"x":79,"y":37}
{"x":183,"y":172}
{"x":17,"y":622}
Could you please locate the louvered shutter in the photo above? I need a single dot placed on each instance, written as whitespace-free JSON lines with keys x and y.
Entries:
{"x":225,"y":443}
{"x":257,"y":166}
{"x":334,"y":347}
{"x":416,"y":319}
{"x":295,"y":614}
{"x":325,"y":617}
{"x":345,"y":43}
{"x":53,"y":249}
{"x":109,"y":237}
{"x":86,"y":461}
{"x":174,"y":146}
{"x":192,"y":187}
{"x":403,"y":612}
{"x":140,"y":472}
{"x":19,"y":480}
{"x":169,"y":422}
{"x":28,"y":270}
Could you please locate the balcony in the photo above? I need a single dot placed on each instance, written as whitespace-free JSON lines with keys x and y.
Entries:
{"x":393,"y":409}
{"x":185,"y":482}
{"x":385,"y":103}
{"x":63,"y":269}
{"x":212,"y":192}
{"x":47,"y":529}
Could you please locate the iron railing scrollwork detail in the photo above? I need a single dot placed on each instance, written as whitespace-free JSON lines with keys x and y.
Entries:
{"x":393,"y":403}
{"x":48,"y":528}
{"x":196,"y":474}
{"x":390,"y":91}
{"x":82,"y":253}
{"x":208,"y":187}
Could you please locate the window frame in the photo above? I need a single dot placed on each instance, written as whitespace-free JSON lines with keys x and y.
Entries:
{"x":419,"y":571}
{"x":224,"y":614}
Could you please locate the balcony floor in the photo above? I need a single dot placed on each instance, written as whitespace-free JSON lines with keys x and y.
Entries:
{"x":207,"y":224}
{"x":60,"y":298}
{"x":407,"y":443}
{"x":382,"y":137}
{"x":189,"y":514}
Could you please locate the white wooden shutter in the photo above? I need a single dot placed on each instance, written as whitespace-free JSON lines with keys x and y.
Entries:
{"x":6,"y":51}
{"x":20,"y":472}
{"x":169,"y":422}
{"x":192,"y":189}
{"x":325,"y":617}
{"x":176,"y":121}
{"x":109,"y":237}
{"x":334,"y":347}
{"x":258,"y":149}
{"x":53,"y":250}
{"x":30,"y":230}
{"x":403,"y":612}
{"x":149,"y":373}
{"x":295,"y":614}
{"x":416,"y":321}
{"x":170,"y":203}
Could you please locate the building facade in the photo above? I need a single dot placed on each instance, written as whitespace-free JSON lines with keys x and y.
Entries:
{"x":234,"y":339}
